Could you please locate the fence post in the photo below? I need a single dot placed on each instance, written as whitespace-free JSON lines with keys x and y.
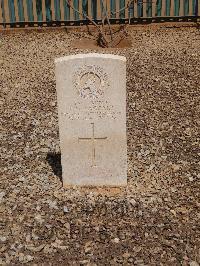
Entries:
{"x":167,"y":12}
{"x":176,"y":7}
{"x":85,"y":7}
{"x":11,"y":10}
{"x":159,"y":7}
{"x":121,"y":5}
{"x":94,"y":9}
{"x":66,"y":10}
{"x":139,"y":8}
{"x":113,"y":7}
{"x":30,"y":10}
{"x":76,"y":6}
{"x":196,"y":7}
{"x":149,"y":8}
{"x":57,"y":9}
{"x":20,"y":10}
{"x":48,"y":10}
{"x":39,"y":10}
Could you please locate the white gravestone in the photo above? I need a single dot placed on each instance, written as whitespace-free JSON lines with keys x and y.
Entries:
{"x":91,"y":92}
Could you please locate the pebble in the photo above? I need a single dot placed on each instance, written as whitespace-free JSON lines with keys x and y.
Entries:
{"x":65,"y":209}
{"x":194,"y":263}
{"x":2,"y":194}
{"x":116,"y":240}
{"x":191,"y":179}
{"x":3,"y":238}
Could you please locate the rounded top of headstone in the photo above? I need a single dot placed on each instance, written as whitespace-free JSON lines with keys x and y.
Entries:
{"x":90,"y":55}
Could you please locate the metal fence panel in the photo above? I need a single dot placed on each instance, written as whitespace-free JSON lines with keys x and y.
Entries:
{"x":16,"y":12}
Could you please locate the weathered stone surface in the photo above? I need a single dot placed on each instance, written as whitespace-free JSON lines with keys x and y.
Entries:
{"x":91,"y":91}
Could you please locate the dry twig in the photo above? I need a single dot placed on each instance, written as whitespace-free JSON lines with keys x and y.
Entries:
{"x":104,"y":39}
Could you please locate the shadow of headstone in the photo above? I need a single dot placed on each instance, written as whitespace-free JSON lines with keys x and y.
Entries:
{"x":54,"y":160}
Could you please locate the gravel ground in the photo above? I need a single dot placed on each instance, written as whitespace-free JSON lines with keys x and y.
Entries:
{"x":155,"y":220}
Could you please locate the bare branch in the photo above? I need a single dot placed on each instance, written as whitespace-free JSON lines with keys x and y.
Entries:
{"x":103,"y":34}
{"x":82,"y":14}
{"x":129,"y":4}
{"x":107,"y":18}
{"x":123,"y":8}
{"x":90,"y":19}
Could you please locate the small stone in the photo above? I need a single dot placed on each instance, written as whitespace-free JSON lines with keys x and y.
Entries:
{"x":29,"y":258}
{"x":48,"y":249}
{"x":28,"y":238}
{"x":88,"y":249}
{"x":173,"y":212}
{"x":139,"y":262}
{"x":67,"y":225}
{"x":185,"y":257}
{"x":2,"y":194}
{"x":21,"y":257}
{"x":126,"y":255}
{"x":176,"y":167}
{"x":130,"y":260}
{"x":44,"y":150}
{"x":191,"y":179}
{"x":82,"y":262}
{"x":22,"y":179}
{"x":137,"y":249}
{"x":35,"y":249}
{"x":194,"y":263}
{"x":3,"y":238}
{"x":133,"y":202}
{"x":49,"y":226}
{"x":53,"y":204}
{"x":116,"y":240}
{"x":39,"y":218}
{"x":38,"y":208}
{"x":65,"y":209}
{"x":151,"y":167}
{"x":173,"y":189}
{"x":2,"y":249}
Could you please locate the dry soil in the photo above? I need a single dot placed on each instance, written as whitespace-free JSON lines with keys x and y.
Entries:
{"x":155,"y":219}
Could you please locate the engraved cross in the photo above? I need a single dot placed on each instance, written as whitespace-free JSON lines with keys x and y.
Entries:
{"x":93,"y":139}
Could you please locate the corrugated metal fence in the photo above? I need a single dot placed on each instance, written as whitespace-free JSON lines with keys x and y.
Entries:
{"x":41,"y":12}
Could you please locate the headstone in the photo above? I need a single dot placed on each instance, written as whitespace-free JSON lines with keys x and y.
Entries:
{"x":91,"y":93}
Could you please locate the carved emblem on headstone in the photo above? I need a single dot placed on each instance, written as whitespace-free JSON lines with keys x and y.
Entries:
{"x":90,"y":81}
